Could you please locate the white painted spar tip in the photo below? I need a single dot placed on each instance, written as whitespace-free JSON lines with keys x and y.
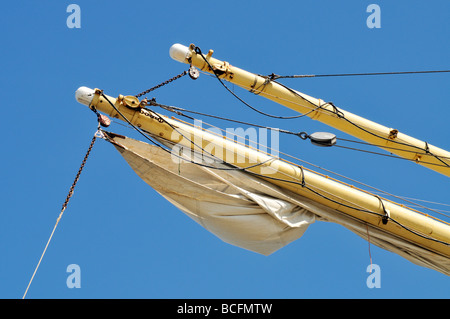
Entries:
{"x":84,"y":95}
{"x":179,"y":52}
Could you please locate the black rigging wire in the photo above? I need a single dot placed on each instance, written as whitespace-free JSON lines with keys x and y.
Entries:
{"x":385,"y":147}
{"x":169,"y":108}
{"x":342,"y":116}
{"x":303,"y":135}
{"x":387,"y":155}
{"x":198,"y":51}
{"x":275,"y":76}
{"x":302,"y":183}
{"x":179,"y":111}
{"x":172,"y":154}
{"x":335,"y":110}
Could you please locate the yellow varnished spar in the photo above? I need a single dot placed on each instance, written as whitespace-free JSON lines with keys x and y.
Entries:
{"x":414,"y":227}
{"x":395,"y":142}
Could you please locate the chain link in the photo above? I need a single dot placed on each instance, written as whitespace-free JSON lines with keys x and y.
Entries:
{"x":162,"y":84}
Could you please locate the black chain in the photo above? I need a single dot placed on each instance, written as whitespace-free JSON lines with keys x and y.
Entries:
{"x":77,"y":177}
{"x":162,"y":84}
{"x":64,"y":206}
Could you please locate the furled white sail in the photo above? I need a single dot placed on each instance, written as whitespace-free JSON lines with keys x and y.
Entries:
{"x":246,"y":211}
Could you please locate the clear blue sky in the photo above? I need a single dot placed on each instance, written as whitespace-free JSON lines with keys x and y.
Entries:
{"x":131,"y":243}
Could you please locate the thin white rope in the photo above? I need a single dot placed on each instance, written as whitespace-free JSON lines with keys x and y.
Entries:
{"x":43,"y":253}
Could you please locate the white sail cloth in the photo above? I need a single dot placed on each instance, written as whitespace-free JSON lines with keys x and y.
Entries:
{"x":246,"y":211}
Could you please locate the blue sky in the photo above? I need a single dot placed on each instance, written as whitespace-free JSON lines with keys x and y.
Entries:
{"x":131,"y":243}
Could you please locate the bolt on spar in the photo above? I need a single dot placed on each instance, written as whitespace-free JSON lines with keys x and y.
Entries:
{"x":269,"y":202}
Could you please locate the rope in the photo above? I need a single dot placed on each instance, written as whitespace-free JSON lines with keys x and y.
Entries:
{"x":64,"y":206}
{"x":368,"y":240}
